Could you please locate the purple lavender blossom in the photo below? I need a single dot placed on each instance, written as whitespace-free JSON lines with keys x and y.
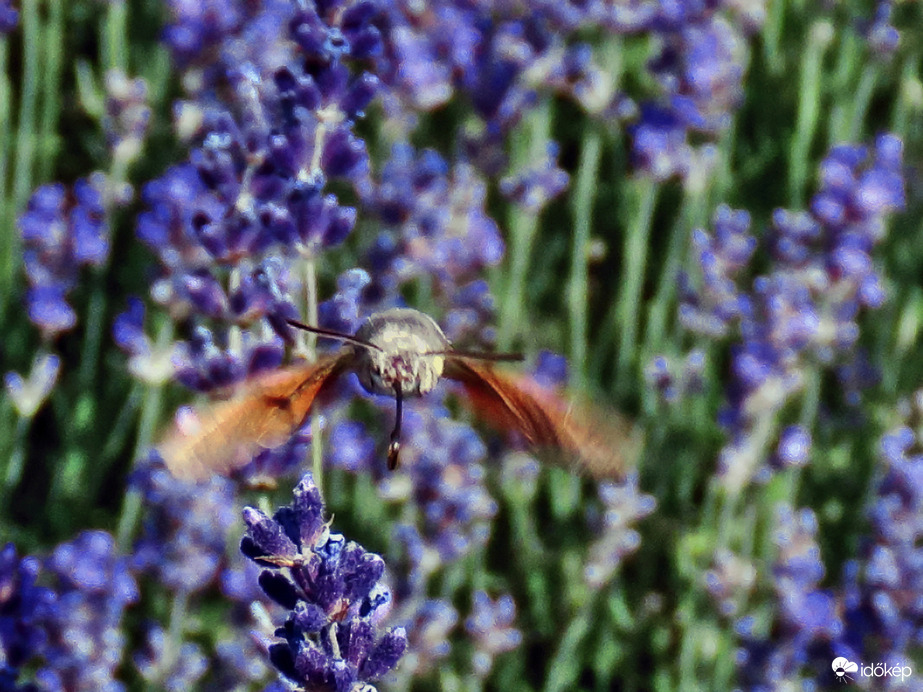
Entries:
{"x":127,"y":116}
{"x":794,"y":446}
{"x":343,"y":312}
{"x":729,"y":580}
{"x":535,"y":186}
{"x":148,"y":361}
{"x":197,"y":26}
{"x":624,"y":506}
{"x":445,"y":481}
{"x":23,"y":607}
{"x":807,"y":633}
{"x":61,"y":230}
{"x":185,"y":528}
{"x":490,"y":626}
{"x":157,"y":664}
{"x":9,"y":17}
{"x":28,"y":394}
{"x":884,"y":614}
{"x":440,"y":216}
{"x":430,"y":625}
{"x":672,"y":380}
{"x":659,"y":144}
{"x":882,"y":36}
{"x":701,"y":66}
{"x":93,"y":586}
{"x":875,"y":616}
{"x":331,"y":587}
{"x":801,"y":313}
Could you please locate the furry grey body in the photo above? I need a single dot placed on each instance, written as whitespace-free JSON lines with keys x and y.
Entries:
{"x":409,"y":352}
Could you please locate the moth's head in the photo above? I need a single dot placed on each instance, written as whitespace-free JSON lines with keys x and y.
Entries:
{"x":406,"y":350}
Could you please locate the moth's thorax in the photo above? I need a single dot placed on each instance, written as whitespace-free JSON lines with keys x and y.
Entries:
{"x":410,"y":352}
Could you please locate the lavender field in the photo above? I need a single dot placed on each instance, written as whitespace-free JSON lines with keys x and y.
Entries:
{"x":701,"y":214}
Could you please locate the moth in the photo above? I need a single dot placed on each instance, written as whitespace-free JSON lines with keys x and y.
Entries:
{"x":401,"y":353}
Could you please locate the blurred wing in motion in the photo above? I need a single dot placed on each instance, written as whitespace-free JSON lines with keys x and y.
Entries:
{"x":601,"y":443}
{"x":265,"y":412}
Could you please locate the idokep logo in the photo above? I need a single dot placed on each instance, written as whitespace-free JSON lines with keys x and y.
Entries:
{"x":842,"y":667}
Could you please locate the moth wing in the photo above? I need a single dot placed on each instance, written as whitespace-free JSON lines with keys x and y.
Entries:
{"x":586,"y":438}
{"x":264,"y":413}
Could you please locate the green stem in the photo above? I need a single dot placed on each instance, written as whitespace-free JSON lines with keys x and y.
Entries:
{"x":809,"y":107}
{"x":8,"y":234}
{"x":523,"y":226}
{"x":150,"y":416}
{"x":48,"y":140}
{"x":578,"y":285}
{"x":15,"y":463}
{"x":643,"y":192}
{"x":910,"y":99}
{"x":93,"y":332}
{"x":25,"y":138}
{"x":115,"y":32}
{"x":174,"y":636}
{"x":310,"y":294}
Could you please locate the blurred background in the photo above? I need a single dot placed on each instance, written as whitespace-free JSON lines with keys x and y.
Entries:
{"x":703,"y":215}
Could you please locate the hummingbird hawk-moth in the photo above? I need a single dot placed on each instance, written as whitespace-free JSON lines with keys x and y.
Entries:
{"x":400,"y":353}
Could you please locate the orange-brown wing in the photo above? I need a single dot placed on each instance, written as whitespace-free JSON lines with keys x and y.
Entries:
{"x":601,"y":443}
{"x":263,"y":414}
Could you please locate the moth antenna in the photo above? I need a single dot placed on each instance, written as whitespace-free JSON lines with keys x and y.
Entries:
{"x":481,"y":355}
{"x":394,"y":447}
{"x":331,"y":334}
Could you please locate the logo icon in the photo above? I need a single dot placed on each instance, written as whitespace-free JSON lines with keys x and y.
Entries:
{"x":841,"y":667}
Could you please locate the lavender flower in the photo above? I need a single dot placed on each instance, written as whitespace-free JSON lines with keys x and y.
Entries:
{"x":149,"y":362}
{"x":882,"y":36}
{"x":872,"y":617}
{"x":883,"y":613}
{"x":440,"y":216}
{"x":444,"y":480}
{"x":809,"y":627}
{"x":157,"y":664}
{"x":85,"y":639}
{"x":9,"y":17}
{"x":490,"y":626}
{"x":537,"y":185}
{"x":674,"y":381}
{"x":30,"y":393}
{"x":61,"y":232}
{"x":185,"y":529}
{"x":428,"y":636}
{"x":23,"y":607}
{"x":802,"y":313}
{"x":127,"y":116}
{"x":331,"y":587}
{"x":624,"y":505}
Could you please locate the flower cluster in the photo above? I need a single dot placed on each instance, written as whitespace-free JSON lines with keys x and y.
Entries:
{"x":700,"y":67}
{"x":885,"y":615}
{"x":127,"y":117}
{"x":802,"y":313}
{"x":185,"y":528}
{"x":624,"y":506}
{"x":490,"y":626}
{"x":331,"y":588}
{"x":809,"y":624}
{"x":875,"y":615}
{"x":9,"y":17}
{"x":92,"y":586}
{"x":61,"y":231}
{"x":23,"y":606}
